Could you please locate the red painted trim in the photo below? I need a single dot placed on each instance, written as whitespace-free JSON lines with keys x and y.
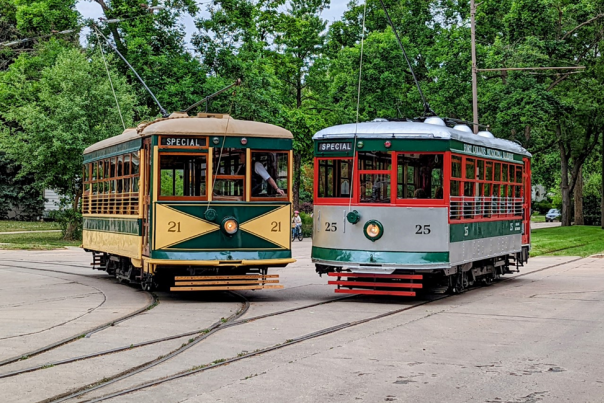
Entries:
{"x":371,"y":275}
{"x":375,"y":292}
{"x":370,"y":284}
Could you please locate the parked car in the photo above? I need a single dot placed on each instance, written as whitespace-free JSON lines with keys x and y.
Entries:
{"x":552,"y":214}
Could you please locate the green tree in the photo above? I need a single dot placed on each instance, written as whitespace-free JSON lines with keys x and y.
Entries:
{"x":55,"y":104}
{"x":153,"y":43}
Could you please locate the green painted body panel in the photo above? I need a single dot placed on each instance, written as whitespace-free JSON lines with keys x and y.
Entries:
{"x":242,"y":211}
{"x":459,"y":147}
{"x":118,"y":149}
{"x":255,"y":143}
{"x":131,"y":226}
{"x":217,"y":241}
{"x":222,"y":255}
{"x":484,"y":229}
{"x":409,"y":145}
{"x":379,"y":257}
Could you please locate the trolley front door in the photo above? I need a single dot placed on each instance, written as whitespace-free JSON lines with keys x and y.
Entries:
{"x":146,"y":194}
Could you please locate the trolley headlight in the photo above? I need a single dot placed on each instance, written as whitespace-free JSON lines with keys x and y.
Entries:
{"x":230,"y":225}
{"x":373,"y":230}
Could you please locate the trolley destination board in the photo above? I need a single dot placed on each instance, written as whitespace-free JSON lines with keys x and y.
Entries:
{"x":183,"y":141}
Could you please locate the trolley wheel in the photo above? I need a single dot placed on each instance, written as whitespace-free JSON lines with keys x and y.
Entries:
{"x":148,"y":284}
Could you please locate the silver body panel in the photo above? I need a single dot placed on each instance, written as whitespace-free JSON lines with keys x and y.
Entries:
{"x":399,"y":229}
{"x":484,"y":248}
{"x":400,"y":235}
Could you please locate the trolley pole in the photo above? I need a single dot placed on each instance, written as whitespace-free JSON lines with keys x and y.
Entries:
{"x":474,"y":68}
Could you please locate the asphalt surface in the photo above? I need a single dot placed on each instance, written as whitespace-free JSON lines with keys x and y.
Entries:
{"x":538,"y":336}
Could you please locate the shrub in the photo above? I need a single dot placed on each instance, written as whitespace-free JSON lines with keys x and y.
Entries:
{"x":542,"y":207}
{"x":70,"y":222}
{"x":306,"y":224}
{"x":591,"y":210}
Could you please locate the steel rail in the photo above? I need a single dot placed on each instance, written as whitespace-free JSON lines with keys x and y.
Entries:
{"x":163,"y":339}
{"x":136,"y":370}
{"x":289,"y":342}
{"x":153,"y":301}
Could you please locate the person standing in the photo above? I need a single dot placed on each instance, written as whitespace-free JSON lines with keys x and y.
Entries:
{"x":296,"y":223}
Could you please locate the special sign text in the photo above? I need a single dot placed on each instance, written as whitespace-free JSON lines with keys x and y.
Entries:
{"x":335,"y":147}
{"x":183,"y":142}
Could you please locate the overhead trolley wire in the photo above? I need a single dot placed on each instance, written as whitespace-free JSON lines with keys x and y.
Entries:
{"x":110,"y":81}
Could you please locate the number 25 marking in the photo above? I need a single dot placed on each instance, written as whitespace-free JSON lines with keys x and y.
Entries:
{"x":174,"y":226}
{"x":422,"y":229}
{"x":331,"y":227}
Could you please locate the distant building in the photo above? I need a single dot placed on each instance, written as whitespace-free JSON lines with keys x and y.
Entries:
{"x":538,"y":193}
{"x":51,"y":201}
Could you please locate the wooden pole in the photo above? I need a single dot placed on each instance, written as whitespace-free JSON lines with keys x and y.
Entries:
{"x":474,"y":69}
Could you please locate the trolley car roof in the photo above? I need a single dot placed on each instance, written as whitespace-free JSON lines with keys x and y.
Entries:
{"x":414,"y":130}
{"x":201,"y":125}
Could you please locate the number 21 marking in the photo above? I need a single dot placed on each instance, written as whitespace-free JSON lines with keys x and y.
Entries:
{"x":174,"y":226}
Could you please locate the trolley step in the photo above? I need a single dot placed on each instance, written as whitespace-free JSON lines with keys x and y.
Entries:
{"x":376,"y":284}
{"x":376,"y":292}
{"x":225,"y":283}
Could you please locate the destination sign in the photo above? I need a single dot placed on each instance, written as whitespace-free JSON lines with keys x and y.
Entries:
{"x":183,"y":142}
{"x":487,"y":152}
{"x":335,"y":147}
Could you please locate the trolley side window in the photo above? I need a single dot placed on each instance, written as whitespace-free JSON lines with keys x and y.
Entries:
{"x":335,"y":178}
{"x":229,"y":174}
{"x":182,"y":176}
{"x":270,"y":174}
{"x":485,"y":189}
{"x":420,"y":176}
{"x":375,"y":169}
{"x":111,"y":185}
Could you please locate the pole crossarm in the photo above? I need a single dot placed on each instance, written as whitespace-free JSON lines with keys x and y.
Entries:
{"x":533,"y":68}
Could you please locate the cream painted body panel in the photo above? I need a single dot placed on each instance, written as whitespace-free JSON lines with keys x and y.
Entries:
{"x":117,"y":244}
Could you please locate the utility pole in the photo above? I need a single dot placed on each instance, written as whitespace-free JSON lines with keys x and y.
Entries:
{"x":602,"y":206}
{"x":474,"y":68}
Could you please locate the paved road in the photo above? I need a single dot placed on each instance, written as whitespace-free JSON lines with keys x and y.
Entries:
{"x":536,"y":337}
{"x":539,"y":225}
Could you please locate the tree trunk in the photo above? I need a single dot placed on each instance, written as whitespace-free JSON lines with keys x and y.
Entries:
{"x":297,"y":179}
{"x":579,"y":219}
{"x":602,"y":203}
{"x":565,"y":188}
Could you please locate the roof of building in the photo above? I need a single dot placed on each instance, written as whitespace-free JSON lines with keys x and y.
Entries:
{"x":179,"y":124}
{"x":416,"y":130}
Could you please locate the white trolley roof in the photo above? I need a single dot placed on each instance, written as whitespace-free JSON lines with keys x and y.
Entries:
{"x":415,"y":130}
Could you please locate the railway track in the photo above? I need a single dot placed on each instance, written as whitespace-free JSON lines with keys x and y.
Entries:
{"x":153,"y":301}
{"x":289,"y":342}
{"x":203,"y":334}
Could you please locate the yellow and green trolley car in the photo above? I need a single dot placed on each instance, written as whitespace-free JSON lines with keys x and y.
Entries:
{"x":193,"y":203}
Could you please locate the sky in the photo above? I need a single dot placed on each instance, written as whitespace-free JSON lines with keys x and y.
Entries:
{"x":91,"y":9}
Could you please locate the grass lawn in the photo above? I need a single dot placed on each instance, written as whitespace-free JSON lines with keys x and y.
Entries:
{"x":11,"y":226}
{"x":577,"y":240}
{"x":538,"y":218}
{"x":35,"y":240}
